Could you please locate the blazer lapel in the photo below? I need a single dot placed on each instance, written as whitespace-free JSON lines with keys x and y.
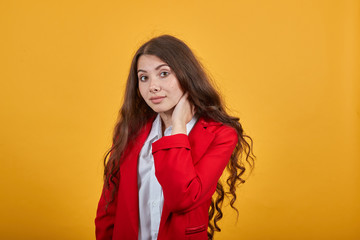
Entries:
{"x":200,"y":138}
{"x":128,"y":172}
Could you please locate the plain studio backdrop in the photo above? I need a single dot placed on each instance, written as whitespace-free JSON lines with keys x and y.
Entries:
{"x":288,"y":69}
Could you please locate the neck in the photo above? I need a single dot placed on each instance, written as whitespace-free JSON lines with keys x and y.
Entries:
{"x":166,"y":119}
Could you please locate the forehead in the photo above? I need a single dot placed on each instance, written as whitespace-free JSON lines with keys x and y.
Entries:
{"x":149,"y":62}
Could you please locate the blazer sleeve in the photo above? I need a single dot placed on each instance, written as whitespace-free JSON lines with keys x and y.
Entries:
{"x":187,"y":185}
{"x":105,"y":216}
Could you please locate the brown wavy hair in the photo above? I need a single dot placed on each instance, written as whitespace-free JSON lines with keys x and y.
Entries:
{"x":134,"y":114}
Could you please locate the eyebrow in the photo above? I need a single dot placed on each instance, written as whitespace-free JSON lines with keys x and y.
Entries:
{"x":161,"y":65}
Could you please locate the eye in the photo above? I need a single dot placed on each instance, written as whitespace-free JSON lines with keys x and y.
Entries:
{"x":164,"y":74}
{"x":142,"y":78}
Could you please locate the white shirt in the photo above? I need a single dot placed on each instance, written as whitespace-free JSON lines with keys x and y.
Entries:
{"x":151,"y":198}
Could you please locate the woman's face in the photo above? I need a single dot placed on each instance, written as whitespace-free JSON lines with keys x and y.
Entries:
{"x":158,"y":84}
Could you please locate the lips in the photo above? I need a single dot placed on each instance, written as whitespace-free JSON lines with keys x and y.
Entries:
{"x":156,"y":100}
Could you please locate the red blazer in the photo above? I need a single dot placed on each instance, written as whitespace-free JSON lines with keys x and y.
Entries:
{"x":187,"y":168}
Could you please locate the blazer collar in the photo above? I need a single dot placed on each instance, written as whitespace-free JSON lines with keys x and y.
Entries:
{"x":200,"y":138}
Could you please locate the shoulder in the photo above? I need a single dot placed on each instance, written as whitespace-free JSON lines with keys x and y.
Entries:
{"x":215,"y":126}
{"x":137,"y":139}
{"x":219,"y":129}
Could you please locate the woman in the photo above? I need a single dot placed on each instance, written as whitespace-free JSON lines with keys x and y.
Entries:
{"x":171,"y":144}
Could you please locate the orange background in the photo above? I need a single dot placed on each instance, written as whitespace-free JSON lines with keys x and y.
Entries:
{"x":288,"y":69}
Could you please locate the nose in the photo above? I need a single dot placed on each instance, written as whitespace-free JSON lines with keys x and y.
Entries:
{"x":154,"y":86}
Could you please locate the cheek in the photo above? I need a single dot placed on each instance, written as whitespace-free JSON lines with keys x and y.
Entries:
{"x":176,"y":90}
{"x":142,"y":91}
{"x":178,"y":94}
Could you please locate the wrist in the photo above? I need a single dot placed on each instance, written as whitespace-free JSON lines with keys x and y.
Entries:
{"x":178,"y":128}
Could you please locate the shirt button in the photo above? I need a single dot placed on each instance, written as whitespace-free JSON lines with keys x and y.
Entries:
{"x":154,"y":204}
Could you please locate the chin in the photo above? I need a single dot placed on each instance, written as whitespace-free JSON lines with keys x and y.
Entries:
{"x":160,"y":109}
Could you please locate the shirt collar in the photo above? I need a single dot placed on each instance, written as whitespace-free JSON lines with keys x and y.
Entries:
{"x":156,"y":129}
{"x":155,"y":132}
{"x":189,"y":126}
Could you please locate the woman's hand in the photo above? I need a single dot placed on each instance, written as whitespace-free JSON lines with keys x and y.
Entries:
{"x":182,"y":114}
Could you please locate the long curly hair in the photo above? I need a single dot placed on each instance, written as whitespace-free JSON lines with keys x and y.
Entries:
{"x":135,"y":113}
